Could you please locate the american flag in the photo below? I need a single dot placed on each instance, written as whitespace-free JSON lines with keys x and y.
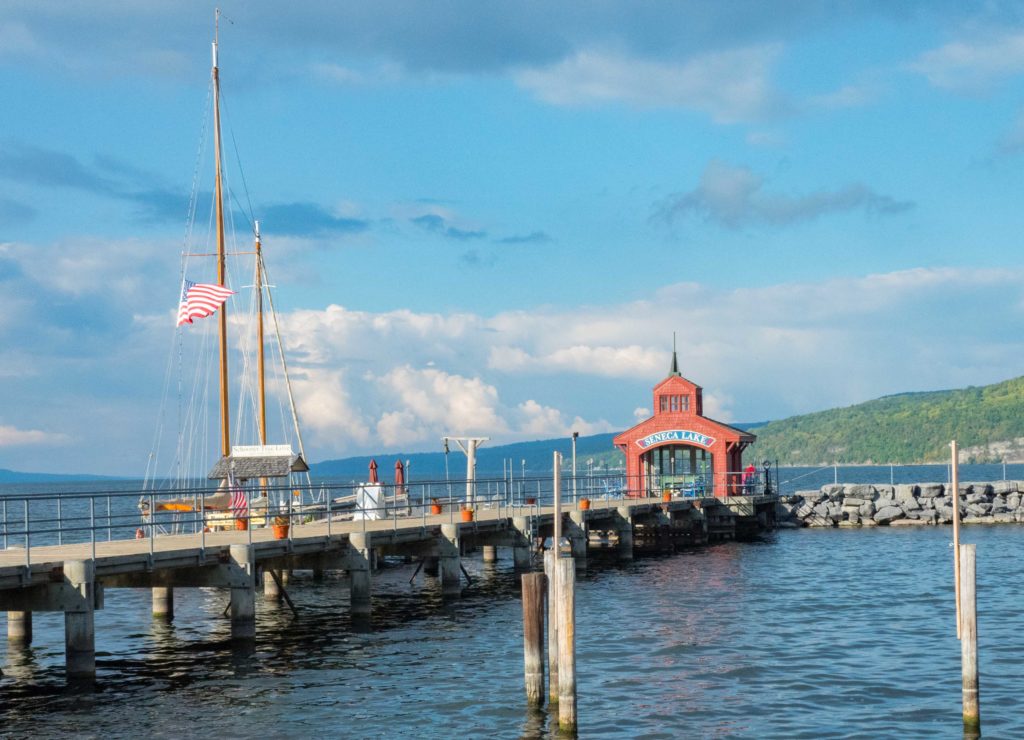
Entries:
{"x":239,"y":501}
{"x":199,"y":300}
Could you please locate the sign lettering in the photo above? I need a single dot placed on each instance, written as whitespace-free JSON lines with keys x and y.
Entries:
{"x":676,"y":435}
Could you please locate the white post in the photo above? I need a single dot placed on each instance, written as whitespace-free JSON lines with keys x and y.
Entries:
{"x":574,"y":436}
{"x":471,"y":443}
{"x":556,"y":537}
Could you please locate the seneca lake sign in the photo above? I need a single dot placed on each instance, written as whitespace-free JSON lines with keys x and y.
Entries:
{"x":676,"y":435}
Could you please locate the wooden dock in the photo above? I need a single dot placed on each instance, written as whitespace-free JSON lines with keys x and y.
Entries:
{"x":72,"y":578}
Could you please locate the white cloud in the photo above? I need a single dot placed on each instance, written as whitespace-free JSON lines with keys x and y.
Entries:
{"x":730,"y":86}
{"x":975,"y":65}
{"x":12,"y":437}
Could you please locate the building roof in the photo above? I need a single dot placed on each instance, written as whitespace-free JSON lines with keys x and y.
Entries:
{"x":246,"y":463}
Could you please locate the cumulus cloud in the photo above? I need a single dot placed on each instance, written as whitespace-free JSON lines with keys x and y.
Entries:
{"x":735,"y":197}
{"x":730,"y":86}
{"x":975,"y":65}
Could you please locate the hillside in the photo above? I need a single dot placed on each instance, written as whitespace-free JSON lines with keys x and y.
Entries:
{"x":536,"y":456}
{"x":987,"y":422}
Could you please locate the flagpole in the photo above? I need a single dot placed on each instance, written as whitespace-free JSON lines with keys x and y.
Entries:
{"x":225,"y":421}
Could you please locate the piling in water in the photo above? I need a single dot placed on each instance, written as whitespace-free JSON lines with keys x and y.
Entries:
{"x":551,"y":570}
{"x":533,"y":637}
{"x":566,"y":645}
{"x":969,"y":640}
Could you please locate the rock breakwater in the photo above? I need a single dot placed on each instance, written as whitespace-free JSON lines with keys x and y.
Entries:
{"x":872,"y":505}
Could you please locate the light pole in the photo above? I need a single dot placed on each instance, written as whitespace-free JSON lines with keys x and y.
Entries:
{"x":575,"y":435}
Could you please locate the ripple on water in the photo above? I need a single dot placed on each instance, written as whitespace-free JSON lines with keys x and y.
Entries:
{"x":807,"y":634}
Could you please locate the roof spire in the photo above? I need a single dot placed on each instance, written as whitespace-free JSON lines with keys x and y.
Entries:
{"x":674,"y":370}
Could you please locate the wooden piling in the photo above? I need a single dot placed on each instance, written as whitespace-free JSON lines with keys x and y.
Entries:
{"x":566,"y":645}
{"x":550,"y":569}
{"x":533,"y":637}
{"x":969,"y":640}
{"x":955,"y":485}
{"x":359,"y":573}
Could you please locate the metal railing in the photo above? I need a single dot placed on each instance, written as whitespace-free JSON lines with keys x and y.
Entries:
{"x":42,"y":519}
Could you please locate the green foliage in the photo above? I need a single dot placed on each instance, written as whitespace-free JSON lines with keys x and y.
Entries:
{"x":905,"y":428}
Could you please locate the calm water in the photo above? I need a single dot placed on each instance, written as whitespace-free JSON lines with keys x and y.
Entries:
{"x":810,"y":633}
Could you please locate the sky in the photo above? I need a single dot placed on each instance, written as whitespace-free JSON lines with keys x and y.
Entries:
{"x":489,"y":218}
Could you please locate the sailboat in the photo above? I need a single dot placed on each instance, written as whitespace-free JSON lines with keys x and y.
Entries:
{"x":247,"y":476}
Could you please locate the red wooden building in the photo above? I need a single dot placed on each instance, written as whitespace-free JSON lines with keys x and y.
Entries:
{"x":681,"y":449}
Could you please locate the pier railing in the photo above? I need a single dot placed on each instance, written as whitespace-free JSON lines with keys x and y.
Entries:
{"x":45,"y":518}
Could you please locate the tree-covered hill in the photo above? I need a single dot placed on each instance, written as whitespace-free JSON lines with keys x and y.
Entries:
{"x":987,"y":422}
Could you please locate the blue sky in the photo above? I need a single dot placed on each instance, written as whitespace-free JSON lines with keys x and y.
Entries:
{"x":489,"y":218}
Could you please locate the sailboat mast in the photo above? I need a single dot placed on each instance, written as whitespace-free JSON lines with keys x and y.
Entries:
{"x":259,"y":339}
{"x":225,"y":432}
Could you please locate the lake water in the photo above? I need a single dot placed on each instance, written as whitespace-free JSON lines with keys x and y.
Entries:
{"x":807,"y":633}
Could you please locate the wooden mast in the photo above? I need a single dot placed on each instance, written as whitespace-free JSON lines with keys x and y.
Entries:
{"x":225,"y":421}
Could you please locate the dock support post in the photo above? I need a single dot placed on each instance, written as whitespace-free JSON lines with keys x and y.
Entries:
{"x":533,"y":637}
{"x":625,"y":533}
{"x":431,"y":566}
{"x":360,"y":554}
{"x":969,"y":641}
{"x":566,"y":645}
{"x":551,"y":570}
{"x":451,"y":577}
{"x":163,"y":603}
{"x":243,"y":592}
{"x":489,"y":553}
{"x":521,"y":548}
{"x":79,"y":626}
{"x":576,"y":530}
{"x":19,"y":628}
{"x":270,"y":588}
{"x":318,"y":575}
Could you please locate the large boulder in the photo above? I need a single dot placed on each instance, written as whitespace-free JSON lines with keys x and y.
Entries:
{"x":851,"y":501}
{"x":862,"y":490}
{"x":976,"y":498}
{"x":979,"y":509}
{"x":887,"y":514}
{"x":1005,"y":486}
{"x":910,"y":504}
{"x":930,"y":490}
{"x":906,"y":491}
{"x":867,"y":509}
{"x":1013,"y":500}
{"x":985,"y":488}
{"x":1004,"y":517}
{"x":886,"y":491}
{"x":831,"y":491}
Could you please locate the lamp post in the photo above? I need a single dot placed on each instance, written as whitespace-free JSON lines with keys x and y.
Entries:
{"x":575,"y":435}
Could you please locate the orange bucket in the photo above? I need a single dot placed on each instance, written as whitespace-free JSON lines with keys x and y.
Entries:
{"x":435,"y":508}
{"x":467,"y":515}
{"x":584,"y":504}
{"x":280,"y":531}
{"x":241,"y":524}
{"x":666,"y":496}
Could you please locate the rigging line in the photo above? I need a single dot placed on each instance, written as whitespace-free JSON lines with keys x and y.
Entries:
{"x":284,"y":367}
{"x":241,"y":171}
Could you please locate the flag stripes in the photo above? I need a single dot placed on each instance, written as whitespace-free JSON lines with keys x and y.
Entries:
{"x":199,"y":300}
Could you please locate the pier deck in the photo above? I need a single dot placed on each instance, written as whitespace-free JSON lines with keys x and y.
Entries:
{"x":72,"y":577}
